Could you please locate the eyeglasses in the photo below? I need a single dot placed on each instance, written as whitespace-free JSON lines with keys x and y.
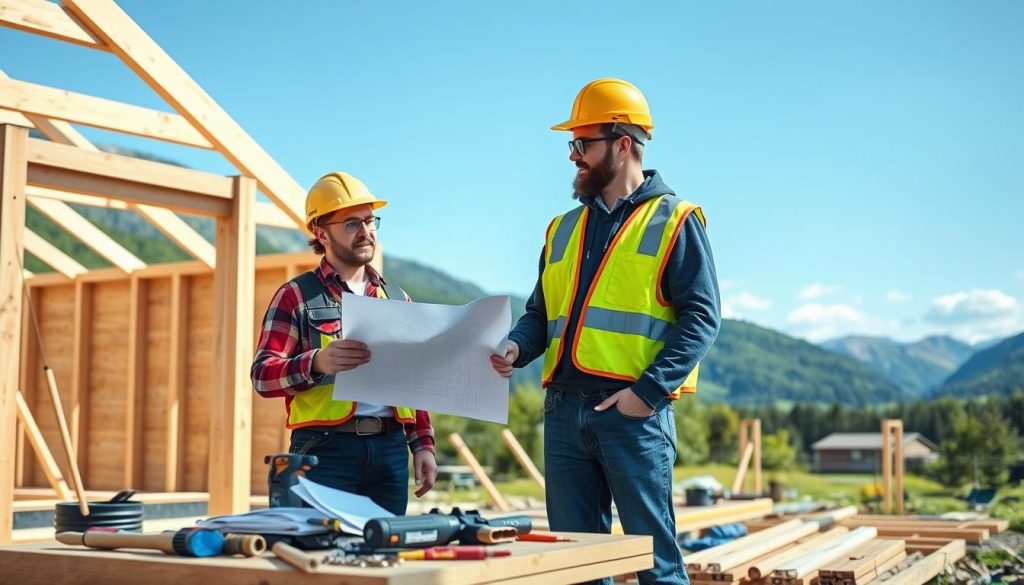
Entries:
{"x":579,"y":145}
{"x":352,"y":226}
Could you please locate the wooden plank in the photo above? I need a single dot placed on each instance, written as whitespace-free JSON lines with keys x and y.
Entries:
{"x":231,"y":408}
{"x":971,"y":535}
{"x":886,"y":468}
{"x":30,"y":368}
{"x":523,"y":457}
{"x":53,"y":475}
{"x":177,"y":375}
{"x":90,"y":235}
{"x":756,"y":430}
{"x":13,"y":156}
{"x":899,"y":466}
{"x":48,"y":19}
{"x":107,"y":378}
{"x":135,"y":388}
{"x":701,"y":560}
{"x":697,"y":517}
{"x":81,"y":346}
{"x":469,"y":459}
{"x":764,"y":567}
{"x":741,"y":471}
{"x":40,"y":100}
{"x":16,"y":118}
{"x":142,"y":54}
{"x":51,"y":255}
{"x":760,"y":548}
{"x":867,"y":558}
{"x":45,"y":153}
{"x":930,"y":566}
{"x":806,"y":566}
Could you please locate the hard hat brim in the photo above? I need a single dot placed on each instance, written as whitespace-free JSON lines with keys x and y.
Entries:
{"x":372,"y":201}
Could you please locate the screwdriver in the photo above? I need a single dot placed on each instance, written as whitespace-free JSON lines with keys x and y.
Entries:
{"x":453,"y":553}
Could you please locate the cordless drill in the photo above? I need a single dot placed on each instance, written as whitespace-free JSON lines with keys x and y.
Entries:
{"x":437,"y":528}
{"x":285,"y":470}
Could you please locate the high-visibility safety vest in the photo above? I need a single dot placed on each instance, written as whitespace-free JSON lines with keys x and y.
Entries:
{"x":625,"y":319}
{"x":317,"y":406}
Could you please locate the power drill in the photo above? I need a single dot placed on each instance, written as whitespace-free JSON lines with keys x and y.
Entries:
{"x":438,"y":529}
{"x":285,"y":470}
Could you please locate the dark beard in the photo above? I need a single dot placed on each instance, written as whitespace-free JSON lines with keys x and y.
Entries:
{"x":596,"y":179}
{"x":349,"y":256}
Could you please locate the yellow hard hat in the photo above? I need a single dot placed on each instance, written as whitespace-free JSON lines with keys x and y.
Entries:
{"x":609,"y":100}
{"x":334,"y":191}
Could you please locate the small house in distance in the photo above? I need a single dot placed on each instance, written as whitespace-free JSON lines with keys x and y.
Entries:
{"x":862,"y":452}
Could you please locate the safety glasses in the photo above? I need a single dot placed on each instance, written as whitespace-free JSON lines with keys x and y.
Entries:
{"x":352,"y":226}
{"x":579,"y":145}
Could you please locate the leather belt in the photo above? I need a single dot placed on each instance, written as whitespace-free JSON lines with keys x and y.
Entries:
{"x":363,"y":426}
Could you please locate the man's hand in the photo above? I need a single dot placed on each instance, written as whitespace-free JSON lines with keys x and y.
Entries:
{"x":628,"y":404}
{"x":503,"y":365}
{"x":340,"y":355}
{"x":425,"y":467}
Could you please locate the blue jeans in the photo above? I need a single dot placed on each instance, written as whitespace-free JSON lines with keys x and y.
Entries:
{"x":376,"y":466}
{"x":591,"y":457}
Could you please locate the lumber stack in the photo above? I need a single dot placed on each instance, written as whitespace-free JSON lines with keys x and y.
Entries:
{"x":839,"y":547}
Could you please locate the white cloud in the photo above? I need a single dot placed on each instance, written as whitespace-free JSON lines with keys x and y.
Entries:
{"x":976,"y":314}
{"x":816,"y":291}
{"x":1020,"y":274}
{"x":897,"y":296}
{"x":817,"y":322}
{"x":735,"y":306}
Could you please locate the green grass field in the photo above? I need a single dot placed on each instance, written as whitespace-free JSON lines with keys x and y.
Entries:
{"x":925,"y":496}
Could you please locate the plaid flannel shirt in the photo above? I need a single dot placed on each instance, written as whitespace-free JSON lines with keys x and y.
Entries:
{"x":283,"y":365}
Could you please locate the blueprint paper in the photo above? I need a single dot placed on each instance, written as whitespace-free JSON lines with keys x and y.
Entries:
{"x":429,"y":357}
{"x":354,"y":511}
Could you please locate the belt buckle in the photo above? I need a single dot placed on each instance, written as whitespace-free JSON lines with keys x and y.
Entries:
{"x":380,"y":426}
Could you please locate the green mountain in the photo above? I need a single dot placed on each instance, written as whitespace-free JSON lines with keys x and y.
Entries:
{"x":996,"y":370}
{"x":753,"y":365}
{"x":919,"y":367}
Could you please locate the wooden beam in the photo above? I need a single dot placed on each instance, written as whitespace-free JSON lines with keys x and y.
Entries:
{"x":87,"y":232}
{"x":756,"y":431}
{"x":470,"y":460}
{"x":40,"y":100}
{"x":128,"y":41}
{"x":174,"y":462}
{"x":62,"y":167}
{"x":741,"y":470}
{"x":886,"y":468}
{"x":899,"y":466}
{"x":13,"y":156}
{"x":923,"y":571}
{"x":231,"y":409}
{"x":12,"y":117}
{"x":48,"y":19}
{"x":51,"y":255}
{"x":80,"y":354}
{"x":28,"y":377}
{"x":35,"y":437}
{"x":523,"y":457}
{"x":135,"y":387}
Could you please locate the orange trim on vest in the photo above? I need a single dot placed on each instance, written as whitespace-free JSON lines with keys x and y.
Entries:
{"x":582,"y":222}
{"x":664,"y":260}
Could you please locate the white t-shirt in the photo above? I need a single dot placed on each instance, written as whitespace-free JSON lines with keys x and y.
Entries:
{"x":367,"y":408}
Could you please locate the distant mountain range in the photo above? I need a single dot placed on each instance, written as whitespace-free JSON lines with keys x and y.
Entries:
{"x":998,"y":369}
{"x":748,"y":364}
{"x":918,"y":367}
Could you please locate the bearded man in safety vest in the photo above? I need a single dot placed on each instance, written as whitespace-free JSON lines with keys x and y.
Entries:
{"x":625,"y":307}
{"x":361,"y":447}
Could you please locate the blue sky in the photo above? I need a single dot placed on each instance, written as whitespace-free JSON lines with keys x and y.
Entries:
{"x":859,"y":162}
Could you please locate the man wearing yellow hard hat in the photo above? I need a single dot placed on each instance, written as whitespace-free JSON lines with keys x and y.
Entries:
{"x":625,"y":308}
{"x":362,"y":448}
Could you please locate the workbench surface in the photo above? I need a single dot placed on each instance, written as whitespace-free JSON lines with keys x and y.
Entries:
{"x":590,"y":556}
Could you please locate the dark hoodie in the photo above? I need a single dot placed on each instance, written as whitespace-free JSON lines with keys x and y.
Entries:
{"x":689,"y":282}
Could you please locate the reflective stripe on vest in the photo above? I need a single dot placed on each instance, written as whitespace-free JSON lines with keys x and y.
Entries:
{"x":625,"y":318}
{"x":317,"y":406}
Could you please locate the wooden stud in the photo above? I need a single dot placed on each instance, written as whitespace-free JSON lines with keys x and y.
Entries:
{"x":930,"y":566}
{"x":127,"y":40}
{"x":35,"y":437}
{"x":523,"y":457}
{"x":51,"y":255}
{"x":135,"y":387}
{"x":79,"y":405}
{"x":48,"y":19}
{"x":467,"y":457}
{"x":886,"y":468}
{"x":741,"y":471}
{"x":13,"y":157}
{"x":40,"y":100}
{"x":899,"y":466}
{"x":756,"y":431}
{"x":231,"y":409}
{"x":29,"y":377}
{"x":177,"y":375}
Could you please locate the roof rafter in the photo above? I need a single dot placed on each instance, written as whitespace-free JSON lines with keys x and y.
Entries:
{"x":48,"y":19}
{"x":51,"y":255}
